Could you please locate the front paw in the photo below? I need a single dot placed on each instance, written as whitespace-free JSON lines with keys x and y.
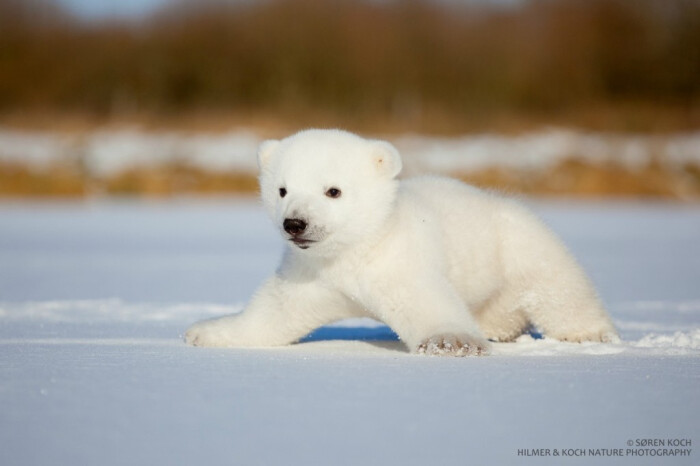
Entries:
{"x":207,"y":333}
{"x":448,"y":344}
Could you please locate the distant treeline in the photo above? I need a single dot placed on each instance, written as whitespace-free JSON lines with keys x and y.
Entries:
{"x":399,"y":59}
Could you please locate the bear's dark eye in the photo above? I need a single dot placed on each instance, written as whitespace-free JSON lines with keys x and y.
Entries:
{"x":283,"y":192}
{"x":333,"y":192}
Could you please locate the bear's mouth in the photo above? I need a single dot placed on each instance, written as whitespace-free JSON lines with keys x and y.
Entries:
{"x":301,"y":242}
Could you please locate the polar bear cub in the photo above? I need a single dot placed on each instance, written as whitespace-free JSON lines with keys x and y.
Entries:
{"x":445,"y":265}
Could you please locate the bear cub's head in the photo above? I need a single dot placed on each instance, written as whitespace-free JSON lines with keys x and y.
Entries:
{"x":328,"y":189}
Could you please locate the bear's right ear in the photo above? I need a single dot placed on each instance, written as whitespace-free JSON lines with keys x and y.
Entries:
{"x":386,"y":158}
{"x":266,"y":149}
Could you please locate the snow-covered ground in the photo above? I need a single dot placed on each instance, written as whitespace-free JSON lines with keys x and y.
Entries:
{"x":94,"y":297}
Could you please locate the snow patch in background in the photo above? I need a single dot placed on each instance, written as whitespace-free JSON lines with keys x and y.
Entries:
{"x":109,"y":152}
{"x":544,"y":149}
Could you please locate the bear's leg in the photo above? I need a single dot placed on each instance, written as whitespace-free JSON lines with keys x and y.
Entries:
{"x":546,"y":282}
{"x":568,"y":309}
{"x":279,"y":313}
{"x":502,"y":318}
{"x":429,"y":317}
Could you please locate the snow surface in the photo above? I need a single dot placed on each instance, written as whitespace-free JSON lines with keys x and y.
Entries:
{"x":95,"y":295}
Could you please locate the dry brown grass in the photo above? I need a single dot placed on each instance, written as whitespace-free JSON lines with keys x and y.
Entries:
{"x":17,"y":180}
{"x":571,"y":178}
{"x":622,"y":118}
{"x":175,"y":179}
{"x":583,"y":179}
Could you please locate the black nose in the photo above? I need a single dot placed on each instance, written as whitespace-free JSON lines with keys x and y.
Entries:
{"x":294,"y":226}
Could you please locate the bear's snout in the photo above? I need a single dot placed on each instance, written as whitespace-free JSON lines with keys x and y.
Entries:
{"x":294,"y":226}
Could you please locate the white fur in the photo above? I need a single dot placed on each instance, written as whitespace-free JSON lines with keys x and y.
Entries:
{"x":442,"y":263}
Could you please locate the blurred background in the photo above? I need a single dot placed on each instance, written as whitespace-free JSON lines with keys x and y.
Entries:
{"x":594,"y":98}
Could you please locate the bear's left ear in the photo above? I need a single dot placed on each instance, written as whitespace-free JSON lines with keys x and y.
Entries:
{"x":386,"y":158}
{"x":265,"y":150}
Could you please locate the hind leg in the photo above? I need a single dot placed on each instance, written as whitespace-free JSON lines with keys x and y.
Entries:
{"x":552,"y":289}
{"x":568,"y":310}
{"x":556,"y":313}
{"x":572,"y":322}
{"x":502,"y":318}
